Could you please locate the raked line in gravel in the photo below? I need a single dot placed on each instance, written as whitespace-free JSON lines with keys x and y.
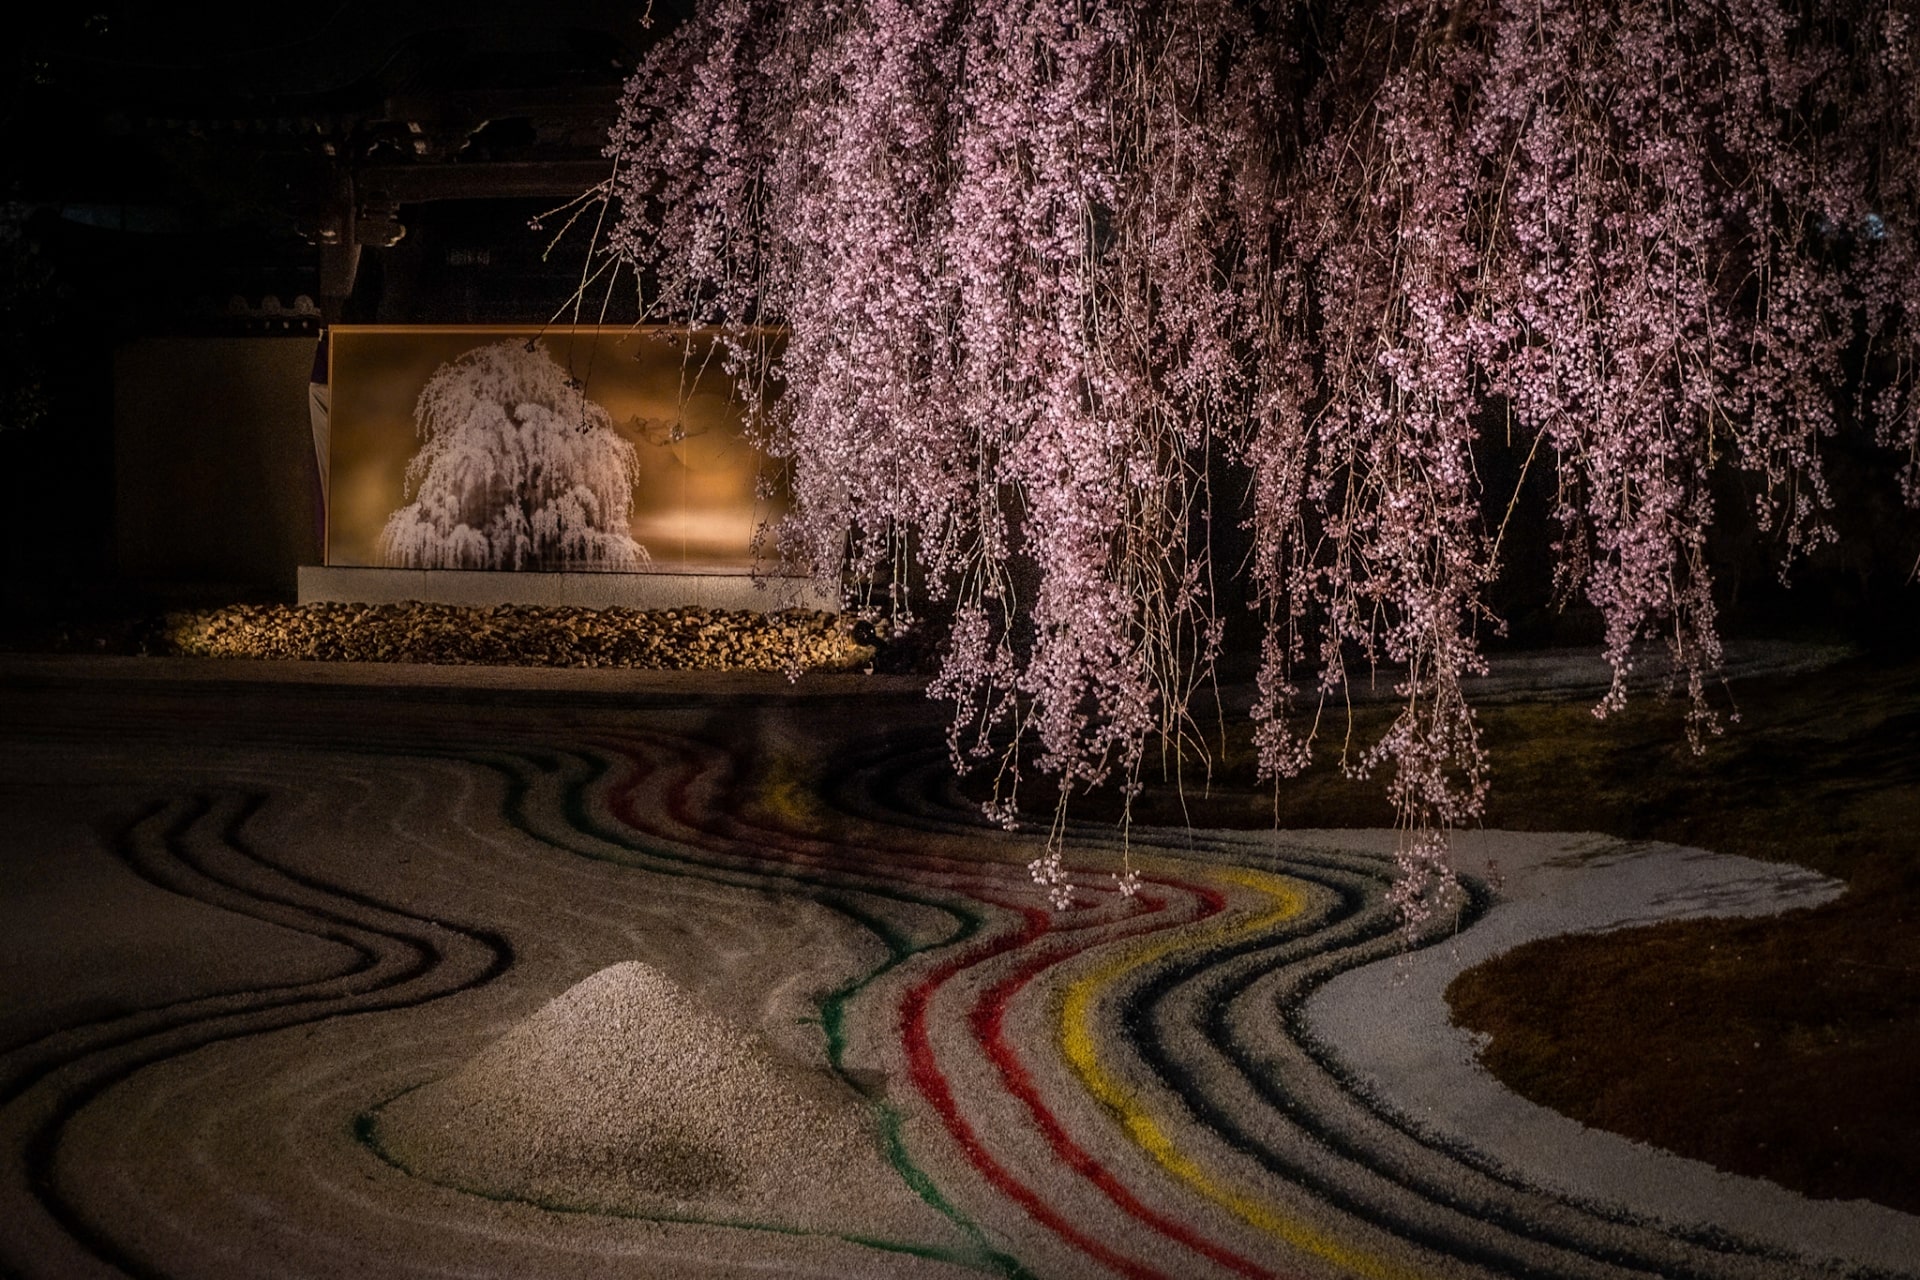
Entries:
{"x":1236,"y":1073}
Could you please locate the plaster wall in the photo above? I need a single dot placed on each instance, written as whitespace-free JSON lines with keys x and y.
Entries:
{"x":214,"y":475}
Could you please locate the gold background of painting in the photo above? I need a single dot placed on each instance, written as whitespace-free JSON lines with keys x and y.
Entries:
{"x":694,"y":507}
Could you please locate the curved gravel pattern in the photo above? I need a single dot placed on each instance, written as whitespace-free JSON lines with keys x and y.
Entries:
{"x":1392,"y":1030}
{"x":661,"y":986}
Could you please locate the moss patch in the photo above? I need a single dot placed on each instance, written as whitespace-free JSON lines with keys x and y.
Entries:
{"x":1785,"y":1048}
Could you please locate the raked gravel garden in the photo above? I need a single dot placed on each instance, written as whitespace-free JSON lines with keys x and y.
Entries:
{"x":422,"y":968}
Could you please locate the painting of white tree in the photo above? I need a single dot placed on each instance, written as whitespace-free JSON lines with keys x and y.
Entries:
{"x":517,"y":469}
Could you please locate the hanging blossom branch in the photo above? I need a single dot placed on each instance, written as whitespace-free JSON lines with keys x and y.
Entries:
{"x":1879,"y":97}
{"x":1365,"y":505}
{"x":1004,"y":240}
{"x":1672,"y":294}
{"x":1047,"y":269}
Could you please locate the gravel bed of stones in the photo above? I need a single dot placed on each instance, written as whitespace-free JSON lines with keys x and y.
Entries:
{"x":626,"y":1091}
{"x":522,"y":635}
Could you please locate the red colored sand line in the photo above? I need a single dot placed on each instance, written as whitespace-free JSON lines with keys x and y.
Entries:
{"x":985,"y":1020}
{"x":932,"y":1084}
{"x":777,"y":846}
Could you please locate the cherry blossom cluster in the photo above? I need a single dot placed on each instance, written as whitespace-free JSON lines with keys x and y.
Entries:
{"x":1066,"y":289}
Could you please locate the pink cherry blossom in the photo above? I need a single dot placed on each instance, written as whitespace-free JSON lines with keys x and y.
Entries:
{"x":1066,"y":289}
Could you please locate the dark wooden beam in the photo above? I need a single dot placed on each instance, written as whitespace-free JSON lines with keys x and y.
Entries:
{"x":418,"y":183}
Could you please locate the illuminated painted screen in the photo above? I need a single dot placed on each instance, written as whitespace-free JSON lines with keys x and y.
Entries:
{"x":576,"y":449}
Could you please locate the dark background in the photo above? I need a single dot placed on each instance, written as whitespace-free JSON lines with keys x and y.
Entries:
{"x":191,"y":192}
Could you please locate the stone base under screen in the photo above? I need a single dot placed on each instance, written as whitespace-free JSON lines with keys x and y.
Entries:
{"x":478,"y":589}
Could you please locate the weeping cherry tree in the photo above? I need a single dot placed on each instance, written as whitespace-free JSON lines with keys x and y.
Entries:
{"x":1071,"y":290}
{"x":517,"y":469}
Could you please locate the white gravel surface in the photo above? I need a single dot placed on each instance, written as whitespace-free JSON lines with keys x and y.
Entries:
{"x":1388,"y":1024}
{"x":625,"y":1094}
{"x":340,"y":969}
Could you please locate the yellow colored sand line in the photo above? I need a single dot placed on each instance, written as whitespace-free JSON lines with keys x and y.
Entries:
{"x":1079,"y":1043}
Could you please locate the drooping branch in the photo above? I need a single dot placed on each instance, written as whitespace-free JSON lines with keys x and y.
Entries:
{"x":1047,"y":269}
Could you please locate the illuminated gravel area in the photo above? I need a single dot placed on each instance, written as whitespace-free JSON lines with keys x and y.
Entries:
{"x":1388,"y":1024}
{"x":683,"y":639}
{"x":348,"y":970}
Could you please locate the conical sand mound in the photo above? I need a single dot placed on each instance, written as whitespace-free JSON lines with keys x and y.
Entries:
{"x":623,"y":1094}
